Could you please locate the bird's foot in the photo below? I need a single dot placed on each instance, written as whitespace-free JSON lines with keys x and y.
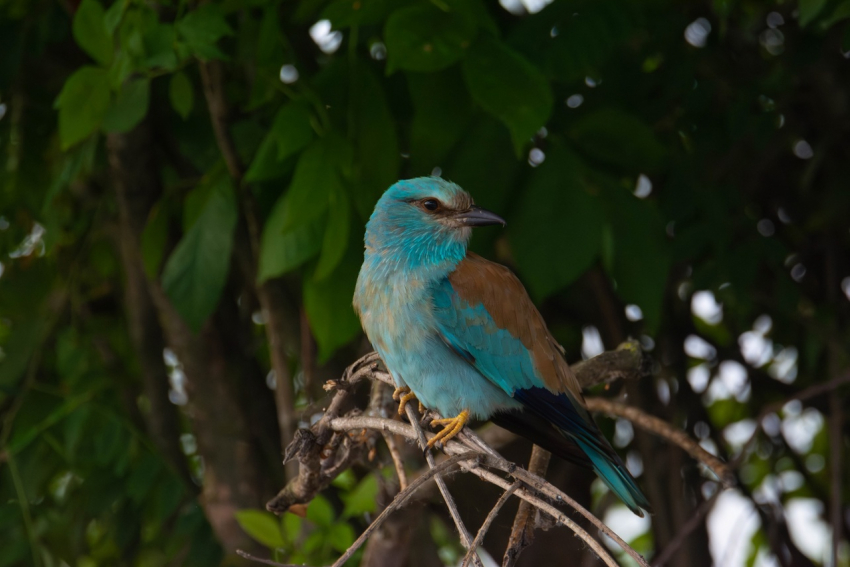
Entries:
{"x":451,"y":427}
{"x":402,"y":396}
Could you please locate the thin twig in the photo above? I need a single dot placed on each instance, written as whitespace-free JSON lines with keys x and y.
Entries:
{"x":256,"y":559}
{"x":663,"y":429}
{"x":399,"y":500}
{"x":522,"y":532}
{"x":560,"y":518}
{"x":465,"y":538}
{"x":551,"y":491}
{"x":397,"y":461}
{"x":335,"y":442}
{"x":537,"y":483}
{"x":693,"y":522}
{"x":805,"y":394}
{"x":212,"y":78}
{"x":836,"y":455}
{"x":397,"y":503}
{"x":270,"y":294}
{"x":482,"y":531}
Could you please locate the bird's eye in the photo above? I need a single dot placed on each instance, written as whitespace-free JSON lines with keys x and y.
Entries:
{"x":431,"y":204}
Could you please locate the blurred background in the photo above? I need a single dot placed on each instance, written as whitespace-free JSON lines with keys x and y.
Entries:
{"x":183,"y":192}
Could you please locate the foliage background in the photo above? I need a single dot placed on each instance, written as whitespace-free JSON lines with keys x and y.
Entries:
{"x":183,"y":194}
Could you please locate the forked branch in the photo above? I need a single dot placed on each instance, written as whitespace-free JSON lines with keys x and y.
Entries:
{"x":341,"y":439}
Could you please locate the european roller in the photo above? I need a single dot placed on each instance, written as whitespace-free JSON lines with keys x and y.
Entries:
{"x":460,"y":333}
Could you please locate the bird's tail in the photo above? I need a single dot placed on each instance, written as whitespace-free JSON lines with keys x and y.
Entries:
{"x":560,"y":424}
{"x":616,"y":476}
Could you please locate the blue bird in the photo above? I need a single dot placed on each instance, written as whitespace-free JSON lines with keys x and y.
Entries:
{"x":460,"y":333}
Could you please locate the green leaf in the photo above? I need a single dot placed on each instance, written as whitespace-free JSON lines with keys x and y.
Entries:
{"x":347,"y":13}
{"x":108,"y":440}
{"x":320,"y":511}
{"x":262,"y":526}
{"x":376,"y":144}
{"x":202,"y":28}
{"x":90,"y":31}
{"x":641,"y":259}
{"x":142,"y":478}
{"x":71,"y":357}
{"x":345,"y":480}
{"x":292,"y":129}
{"x":617,"y":138}
{"x":841,"y":12}
{"x":809,"y":10}
{"x":159,"y":44}
{"x":113,"y":16}
{"x":77,"y":161}
{"x":484,"y":164}
{"x":196,"y":271}
{"x":442,"y":111}
{"x":17,"y":551}
{"x":335,"y":241}
{"x":291,"y":526}
{"x":129,"y":108}
{"x":153,"y":240}
{"x":167,"y":498}
{"x":282,"y":251}
{"x":120,"y":70}
{"x":197,"y":199}
{"x":82,"y":104}
{"x":583,"y":43}
{"x":427,"y":38}
{"x":181,"y":95}
{"x":556,"y":208}
{"x":316,"y":177}
{"x":363,"y":498}
{"x":266,"y":165}
{"x":328,"y":305}
{"x":341,"y":536}
{"x":20,"y":346}
{"x":509,"y":87}
{"x":271,"y":45}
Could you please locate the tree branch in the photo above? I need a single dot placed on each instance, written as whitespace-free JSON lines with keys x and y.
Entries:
{"x":397,"y":503}
{"x":454,"y":447}
{"x":396,"y":456}
{"x":270,"y":294}
{"x":805,"y":394}
{"x":465,"y":538}
{"x":663,"y":429}
{"x":522,"y":532}
{"x":627,"y":362}
{"x":482,"y":531}
{"x":329,"y":447}
{"x":693,"y":522}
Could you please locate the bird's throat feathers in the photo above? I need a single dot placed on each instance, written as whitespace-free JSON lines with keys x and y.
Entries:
{"x":421,"y":254}
{"x":400,"y":239}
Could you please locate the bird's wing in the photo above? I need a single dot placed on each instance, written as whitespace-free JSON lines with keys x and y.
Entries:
{"x":485,"y":316}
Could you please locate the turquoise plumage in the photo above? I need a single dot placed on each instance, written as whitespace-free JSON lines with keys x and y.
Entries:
{"x":461,"y":334}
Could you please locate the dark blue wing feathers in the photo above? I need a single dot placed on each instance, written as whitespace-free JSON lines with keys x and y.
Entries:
{"x":575,"y":424}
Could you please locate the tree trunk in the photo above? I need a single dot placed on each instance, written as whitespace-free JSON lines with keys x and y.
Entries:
{"x":234,"y":471}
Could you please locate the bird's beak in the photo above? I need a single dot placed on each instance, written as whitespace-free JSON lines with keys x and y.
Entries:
{"x":476,"y":216}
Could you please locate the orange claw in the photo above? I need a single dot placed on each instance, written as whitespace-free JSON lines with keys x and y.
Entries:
{"x":402,"y":396}
{"x":451,"y":427}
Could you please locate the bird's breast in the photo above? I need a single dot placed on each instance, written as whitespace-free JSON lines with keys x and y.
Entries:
{"x":395,"y":311}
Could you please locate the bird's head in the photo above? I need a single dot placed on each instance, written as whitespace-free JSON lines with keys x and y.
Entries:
{"x":425,"y":220}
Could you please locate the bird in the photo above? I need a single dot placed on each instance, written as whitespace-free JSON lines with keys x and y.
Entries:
{"x":460,"y":334}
